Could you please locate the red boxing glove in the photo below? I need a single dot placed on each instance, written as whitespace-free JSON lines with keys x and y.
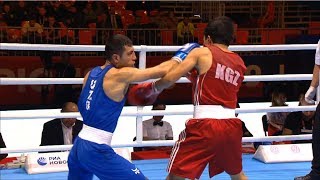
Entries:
{"x":142,"y":94}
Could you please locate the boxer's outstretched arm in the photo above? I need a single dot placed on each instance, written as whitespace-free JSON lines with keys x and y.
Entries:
{"x":144,"y":93}
{"x":175,"y":74}
{"x":130,"y":75}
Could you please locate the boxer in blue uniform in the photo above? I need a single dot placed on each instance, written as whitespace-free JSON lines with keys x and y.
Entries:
{"x":100,"y":104}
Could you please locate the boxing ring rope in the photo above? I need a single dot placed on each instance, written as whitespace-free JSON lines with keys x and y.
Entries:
{"x":150,"y":143}
{"x":144,"y":48}
{"x":46,"y":81}
{"x":7,"y":115}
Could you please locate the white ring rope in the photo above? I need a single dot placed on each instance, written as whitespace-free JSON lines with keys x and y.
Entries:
{"x":151,"y":143}
{"x":46,"y":81}
{"x":39,"y":81}
{"x":55,"y":47}
{"x":13,"y":115}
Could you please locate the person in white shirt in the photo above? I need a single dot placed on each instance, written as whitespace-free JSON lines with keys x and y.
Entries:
{"x":155,"y":128}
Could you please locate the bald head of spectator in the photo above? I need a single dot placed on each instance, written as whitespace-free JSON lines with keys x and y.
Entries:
{"x":69,"y":107}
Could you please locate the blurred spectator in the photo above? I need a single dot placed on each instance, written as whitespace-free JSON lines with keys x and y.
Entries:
{"x":154,"y":23}
{"x":56,"y":10}
{"x":185,"y":30}
{"x":135,"y":5}
{"x":51,"y":36}
{"x":269,"y":16}
{"x":89,"y":14}
{"x":135,"y":32}
{"x":111,"y":21}
{"x":102,"y":24}
{"x":31,"y":31}
{"x":63,"y":69}
{"x":276,"y":119}
{"x":2,"y":145}
{"x":42,"y":15}
{"x":142,"y":5}
{"x":9,"y":16}
{"x":62,"y":131}
{"x":172,"y":20}
{"x":152,"y":34}
{"x":3,"y":30}
{"x":114,"y":20}
{"x":161,"y":21}
{"x":44,"y":4}
{"x":100,"y":7}
{"x":21,"y":12}
{"x":51,"y":31}
{"x":299,"y":122}
{"x":67,"y":4}
{"x":151,"y":5}
{"x":74,"y":18}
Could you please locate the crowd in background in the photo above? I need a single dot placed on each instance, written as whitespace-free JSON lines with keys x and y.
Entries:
{"x":51,"y":21}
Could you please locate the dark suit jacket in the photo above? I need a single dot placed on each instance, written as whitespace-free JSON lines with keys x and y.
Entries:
{"x":2,"y":145}
{"x":118,"y":20}
{"x":52,"y":133}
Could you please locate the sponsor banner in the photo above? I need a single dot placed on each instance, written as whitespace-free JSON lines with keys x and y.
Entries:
{"x":47,"y":162}
{"x":58,"y":161}
{"x":284,"y":153}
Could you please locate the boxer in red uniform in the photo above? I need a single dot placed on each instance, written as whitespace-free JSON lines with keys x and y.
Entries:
{"x":213,"y":136}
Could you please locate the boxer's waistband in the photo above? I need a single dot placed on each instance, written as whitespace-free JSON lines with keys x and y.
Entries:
{"x":213,"y":111}
{"x":95,"y":135}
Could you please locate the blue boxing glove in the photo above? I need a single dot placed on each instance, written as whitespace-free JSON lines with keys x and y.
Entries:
{"x":183,"y":52}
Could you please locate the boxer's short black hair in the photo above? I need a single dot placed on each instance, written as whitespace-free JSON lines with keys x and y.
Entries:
{"x":220,"y":30}
{"x":115,"y":45}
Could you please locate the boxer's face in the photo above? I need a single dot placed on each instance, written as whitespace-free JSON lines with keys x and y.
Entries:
{"x":128,"y":57}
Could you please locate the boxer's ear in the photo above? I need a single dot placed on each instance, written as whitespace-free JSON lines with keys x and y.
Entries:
{"x":115,"y":59}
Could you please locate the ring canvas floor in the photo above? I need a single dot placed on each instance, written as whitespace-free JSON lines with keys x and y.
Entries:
{"x":156,"y":170}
